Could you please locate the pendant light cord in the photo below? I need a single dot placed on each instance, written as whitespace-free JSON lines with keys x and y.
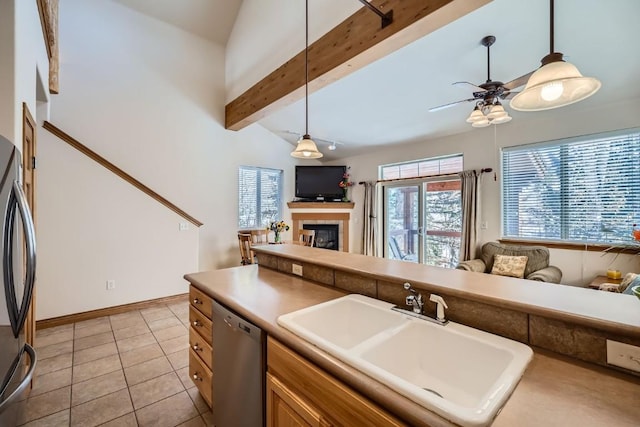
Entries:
{"x":306,"y":71}
{"x":551,"y":21}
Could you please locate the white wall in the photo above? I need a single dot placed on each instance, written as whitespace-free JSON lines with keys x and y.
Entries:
{"x":279,"y":25}
{"x":23,"y":62}
{"x":150,"y":98}
{"x":481,"y":150}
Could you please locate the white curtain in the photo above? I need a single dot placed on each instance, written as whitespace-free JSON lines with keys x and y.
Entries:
{"x":470,"y":195}
{"x":369,"y":231}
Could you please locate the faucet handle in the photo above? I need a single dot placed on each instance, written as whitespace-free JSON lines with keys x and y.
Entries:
{"x":440,"y":306}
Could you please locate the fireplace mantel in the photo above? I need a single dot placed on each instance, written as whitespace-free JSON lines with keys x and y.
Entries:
{"x":320,"y":205}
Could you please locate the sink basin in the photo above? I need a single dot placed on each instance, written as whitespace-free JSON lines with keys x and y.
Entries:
{"x":463,"y":374}
{"x":342,"y":323}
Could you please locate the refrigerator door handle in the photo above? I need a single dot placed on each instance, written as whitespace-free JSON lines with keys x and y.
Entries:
{"x":17,"y":393}
{"x":18,"y":317}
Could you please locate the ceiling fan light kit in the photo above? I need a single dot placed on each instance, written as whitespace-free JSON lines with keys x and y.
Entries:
{"x":306,"y":148}
{"x":556,"y":83}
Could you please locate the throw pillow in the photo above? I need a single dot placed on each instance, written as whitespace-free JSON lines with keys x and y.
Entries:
{"x":512,"y":266}
{"x":634,"y":282}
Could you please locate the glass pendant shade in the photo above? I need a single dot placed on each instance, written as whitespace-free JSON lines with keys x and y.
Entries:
{"x":475,"y":116}
{"x":554,"y":85}
{"x":306,"y":149}
{"x":481,"y":123}
{"x":503,"y":119}
{"x":496,"y":112}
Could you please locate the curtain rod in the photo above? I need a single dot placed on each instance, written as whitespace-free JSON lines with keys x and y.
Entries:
{"x":445,"y":175}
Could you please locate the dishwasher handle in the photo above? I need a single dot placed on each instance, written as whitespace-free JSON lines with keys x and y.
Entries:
{"x":235,"y":322}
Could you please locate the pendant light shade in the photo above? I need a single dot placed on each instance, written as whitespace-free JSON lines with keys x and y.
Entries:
{"x":555,"y":84}
{"x":476,"y":116}
{"x":306,"y":149}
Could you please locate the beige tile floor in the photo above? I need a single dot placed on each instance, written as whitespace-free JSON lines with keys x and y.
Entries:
{"x":129,"y":369}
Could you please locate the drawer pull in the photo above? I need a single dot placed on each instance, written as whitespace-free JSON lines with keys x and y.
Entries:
{"x":197,"y":301}
{"x":196,"y":347}
{"x":197,"y":323}
{"x":196,"y":377}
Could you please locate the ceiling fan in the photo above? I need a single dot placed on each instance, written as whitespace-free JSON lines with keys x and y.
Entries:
{"x":489,"y":93}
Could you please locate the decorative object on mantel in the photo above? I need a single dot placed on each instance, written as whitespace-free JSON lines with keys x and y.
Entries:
{"x":277,"y":227}
{"x":556,"y":83}
{"x":306,"y":148}
{"x":345,"y":184}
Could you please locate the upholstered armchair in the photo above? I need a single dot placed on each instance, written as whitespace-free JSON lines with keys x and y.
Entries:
{"x":537,"y":266}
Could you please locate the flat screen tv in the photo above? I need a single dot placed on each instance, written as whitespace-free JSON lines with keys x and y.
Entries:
{"x":319,"y":182}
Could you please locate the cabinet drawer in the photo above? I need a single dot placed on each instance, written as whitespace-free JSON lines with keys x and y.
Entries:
{"x":200,"y":301}
{"x":338,"y":403}
{"x":200,"y":324}
{"x":200,"y":347}
{"x":201,"y":376}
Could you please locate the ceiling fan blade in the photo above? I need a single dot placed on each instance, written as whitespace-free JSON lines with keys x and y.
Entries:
{"x":451,"y":104}
{"x":509,"y":94}
{"x":476,"y":87}
{"x":520,"y":81}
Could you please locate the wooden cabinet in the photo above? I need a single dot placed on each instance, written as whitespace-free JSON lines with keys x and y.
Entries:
{"x":285,"y":408}
{"x":200,"y":343}
{"x":301,"y":394}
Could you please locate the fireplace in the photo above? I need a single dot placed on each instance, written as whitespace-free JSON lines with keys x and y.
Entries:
{"x":327,"y":235}
{"x":302,"y":220}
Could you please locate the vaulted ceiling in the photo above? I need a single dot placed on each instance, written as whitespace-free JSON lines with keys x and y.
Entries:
{"x":387,"y":102}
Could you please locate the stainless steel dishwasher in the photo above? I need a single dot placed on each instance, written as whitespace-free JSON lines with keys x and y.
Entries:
{"x":238,"y":370}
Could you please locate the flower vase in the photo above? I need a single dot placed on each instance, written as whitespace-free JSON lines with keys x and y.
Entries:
{"x":345,"y":198}
{"x":276,"y":238}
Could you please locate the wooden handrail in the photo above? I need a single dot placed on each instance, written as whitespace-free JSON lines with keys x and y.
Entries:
{"x":116,"y":170}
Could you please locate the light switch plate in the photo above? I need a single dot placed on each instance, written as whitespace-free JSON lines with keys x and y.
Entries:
{"x":296,"y":269}
{"x":624,"y":355}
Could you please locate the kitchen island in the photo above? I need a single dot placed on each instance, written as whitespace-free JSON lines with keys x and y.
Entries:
{"x":555,"y":389}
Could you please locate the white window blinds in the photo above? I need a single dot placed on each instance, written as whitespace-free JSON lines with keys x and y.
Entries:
{"x":584,"y":190}
{"x":259,"y":196}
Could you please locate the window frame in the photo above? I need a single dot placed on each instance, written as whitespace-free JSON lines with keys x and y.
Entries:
{"x":261,"y":221}
{"x":564,"y":241}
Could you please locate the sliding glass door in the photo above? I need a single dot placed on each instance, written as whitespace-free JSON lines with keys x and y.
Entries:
{"x":422,"y":221}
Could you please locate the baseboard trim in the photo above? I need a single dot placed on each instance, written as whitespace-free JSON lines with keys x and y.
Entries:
{"x":108,"y":311}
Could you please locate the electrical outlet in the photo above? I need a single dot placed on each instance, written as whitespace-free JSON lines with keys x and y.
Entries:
{"x":296,"y":269}
{"x":184,"y":226}
{"x":111,"y":285}
{"x":624,"y":355}
{"x":484,"y":225}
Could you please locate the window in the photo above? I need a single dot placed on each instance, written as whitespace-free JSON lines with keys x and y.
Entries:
{"x":585,"y":189}
{"x":259,"y":196}
{"x":422,"y":216}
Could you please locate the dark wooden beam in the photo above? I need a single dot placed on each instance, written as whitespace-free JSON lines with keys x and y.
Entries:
{"x":356,"y":42}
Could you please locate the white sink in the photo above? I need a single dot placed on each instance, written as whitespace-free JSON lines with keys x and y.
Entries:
{"x":342,"y":323}
{"x":463,"y":374}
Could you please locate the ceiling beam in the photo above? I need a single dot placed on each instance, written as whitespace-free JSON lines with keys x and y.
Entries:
{"x":354,"y":43}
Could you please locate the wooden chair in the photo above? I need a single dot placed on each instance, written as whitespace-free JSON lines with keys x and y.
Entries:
{"x":307,"y":237}
{"x":259,"y":236}
{"x":244,"y":242}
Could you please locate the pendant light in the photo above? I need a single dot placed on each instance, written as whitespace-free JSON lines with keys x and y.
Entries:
{"x":306,"y":148}
{"x":555,"y":84}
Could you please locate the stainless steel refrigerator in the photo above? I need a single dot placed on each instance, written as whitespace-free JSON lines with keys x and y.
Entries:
{"x":18,"y":253}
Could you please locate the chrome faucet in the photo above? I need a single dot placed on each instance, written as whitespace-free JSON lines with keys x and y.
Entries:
{"x":414,"y":300}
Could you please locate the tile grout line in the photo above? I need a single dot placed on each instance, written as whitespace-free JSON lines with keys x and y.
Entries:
{"x":135,"y":416}
{"x":173,"y":370}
